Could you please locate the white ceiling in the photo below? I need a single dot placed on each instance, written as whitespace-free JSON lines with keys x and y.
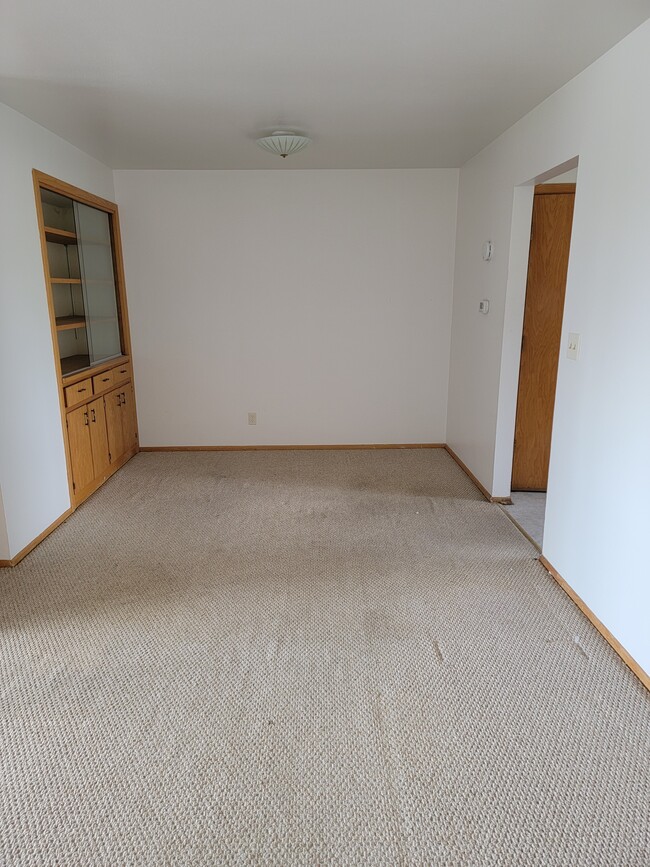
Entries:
{"x":375,"y":83}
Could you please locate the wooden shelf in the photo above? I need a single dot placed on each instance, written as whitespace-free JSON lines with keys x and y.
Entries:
{"x":65,"y":323}
{"x":72,"y":371}
{"x":57,"y":280}
{"x":59,"y":236}
{"x":73,"y":363}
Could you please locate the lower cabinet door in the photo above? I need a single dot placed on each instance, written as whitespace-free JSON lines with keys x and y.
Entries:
{"x":114,"y":425}
{"x":81,"y":453}
{"x":99,"y":437}
{"x":129,"y":428}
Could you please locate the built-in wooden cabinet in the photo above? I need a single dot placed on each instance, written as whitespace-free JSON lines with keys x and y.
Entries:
{"x":102,"y":457}
{"x":121,"y":420}
{"x":102,"y":431}
{"x":82,"y":259}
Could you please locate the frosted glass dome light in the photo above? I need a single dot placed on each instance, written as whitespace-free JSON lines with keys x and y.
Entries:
{"x":283,"y":143}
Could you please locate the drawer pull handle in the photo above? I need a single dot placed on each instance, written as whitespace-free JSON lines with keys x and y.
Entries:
{"x":105,"y":379}
{"x":85,"y":418}
{"x":80,"y":390}
{"x":93,"y":415}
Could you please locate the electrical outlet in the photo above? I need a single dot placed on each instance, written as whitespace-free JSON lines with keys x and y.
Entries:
{"x":252,"y":418}
{"x":573,"y":347}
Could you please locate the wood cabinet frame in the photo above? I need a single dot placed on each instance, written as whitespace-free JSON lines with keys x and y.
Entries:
{"x":43,"y":181}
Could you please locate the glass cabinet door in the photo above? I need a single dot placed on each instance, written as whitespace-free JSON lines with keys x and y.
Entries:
{"x":98,"y":282}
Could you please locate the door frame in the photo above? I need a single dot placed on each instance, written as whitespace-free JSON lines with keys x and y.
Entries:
{"x":513,"y":324}
{"x":547,"y":189}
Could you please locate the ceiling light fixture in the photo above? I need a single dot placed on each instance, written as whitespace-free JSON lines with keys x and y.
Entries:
{"x":283,"y":142}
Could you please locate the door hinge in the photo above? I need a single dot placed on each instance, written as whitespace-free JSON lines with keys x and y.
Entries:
{"x":110,"y":456}
{"x":74,"y":486}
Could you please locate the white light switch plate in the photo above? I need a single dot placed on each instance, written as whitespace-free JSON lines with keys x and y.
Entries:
{"x":573,"y":348}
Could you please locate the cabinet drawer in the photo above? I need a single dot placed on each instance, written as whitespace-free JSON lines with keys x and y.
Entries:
{"x":78,"y":392}
{"x":102,"y":381}
{"x":122,"y":372}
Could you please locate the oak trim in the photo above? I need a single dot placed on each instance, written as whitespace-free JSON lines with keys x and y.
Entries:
{"x":613,"y":642}
{"x":42,"y":180}
{"x":30,"y":547}
{"x":282,"y":448}
{"x":514,"y":521}
{"x":502,"y":501}
{"x":56,"y":186}
{"x":553,"y":189}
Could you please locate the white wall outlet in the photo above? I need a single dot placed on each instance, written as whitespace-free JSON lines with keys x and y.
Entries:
{"x":252,"y":418}
{"x":573,"y":347}
{"x":484,"y":306}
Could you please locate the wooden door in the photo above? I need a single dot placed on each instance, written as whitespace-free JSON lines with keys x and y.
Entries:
{"x":113,"y":403}
{"x":99,"y":437}
{"x":540,"y":348}
{"x":129,"y":427}
{"x":81,"y":453}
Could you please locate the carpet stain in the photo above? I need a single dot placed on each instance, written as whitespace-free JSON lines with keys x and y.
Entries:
{"x":295,"y":658}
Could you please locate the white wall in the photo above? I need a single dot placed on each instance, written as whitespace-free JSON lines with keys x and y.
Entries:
{"x":32,"y":459}
{"x":4,"y":538}
{"x":569,"y":177}
{"x":319,"y":299}
{"x":598,"y":508}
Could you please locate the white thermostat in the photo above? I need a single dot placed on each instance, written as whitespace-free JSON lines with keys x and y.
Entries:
{"x":488,"y":250}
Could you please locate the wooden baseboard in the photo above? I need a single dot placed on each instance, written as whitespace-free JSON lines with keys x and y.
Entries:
{"x":521,"y":529}
{"x":504,"y":501}
{"x":291,"y":448}
{"x":83,"y":496}
{"x":28,"y":548}
{"x":614,"y":643}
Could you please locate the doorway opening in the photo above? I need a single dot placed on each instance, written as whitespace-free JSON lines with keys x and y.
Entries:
{"x":548,"y":259}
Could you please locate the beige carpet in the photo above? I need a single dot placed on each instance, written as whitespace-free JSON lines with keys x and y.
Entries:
{"x":309,"y":658}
